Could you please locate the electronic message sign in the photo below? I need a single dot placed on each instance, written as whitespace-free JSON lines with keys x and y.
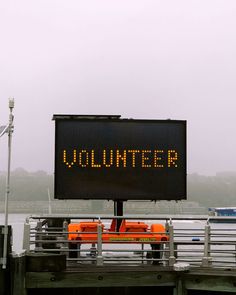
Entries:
{"x":106,"y":157}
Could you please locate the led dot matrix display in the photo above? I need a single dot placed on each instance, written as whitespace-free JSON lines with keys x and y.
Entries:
{"x":105,"y":157}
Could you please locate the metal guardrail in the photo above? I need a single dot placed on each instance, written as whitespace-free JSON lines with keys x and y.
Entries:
{"x":198,"y":241}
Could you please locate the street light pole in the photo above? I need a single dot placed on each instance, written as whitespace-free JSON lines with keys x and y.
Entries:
{"x":10,"y":131}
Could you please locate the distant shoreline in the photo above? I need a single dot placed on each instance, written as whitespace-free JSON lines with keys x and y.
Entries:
{"x":100,"y":207}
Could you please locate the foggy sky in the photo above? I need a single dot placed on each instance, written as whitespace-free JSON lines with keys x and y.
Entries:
{"x":138,"y":58}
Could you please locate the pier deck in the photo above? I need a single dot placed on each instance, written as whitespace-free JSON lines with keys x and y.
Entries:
{"x":199,"y":257}
{"x":84,"y":279}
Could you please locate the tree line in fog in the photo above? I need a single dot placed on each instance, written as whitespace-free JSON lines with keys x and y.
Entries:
{"x":208,"y":191}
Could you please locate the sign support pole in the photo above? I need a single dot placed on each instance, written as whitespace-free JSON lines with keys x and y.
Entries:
{"x":10,"y":131}
{"x":118,"y":211}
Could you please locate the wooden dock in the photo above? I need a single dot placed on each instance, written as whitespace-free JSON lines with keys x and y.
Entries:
{"x":47,"y":266}
{"x":28,"y":275}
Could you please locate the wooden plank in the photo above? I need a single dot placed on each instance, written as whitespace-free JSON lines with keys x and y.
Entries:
{"x":210,"y":283}
{"x":18,"y":275}
{"x":210,"y":271}
{"x":115,"y":267}
{"x":4,"y":281}
{"x":45,"y":262}
{"x":99,"y":279}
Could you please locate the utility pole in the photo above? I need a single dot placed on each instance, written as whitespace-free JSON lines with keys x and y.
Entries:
{"x":9,"y":131}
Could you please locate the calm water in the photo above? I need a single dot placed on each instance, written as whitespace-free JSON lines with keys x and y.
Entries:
{"x":17,"y":223}
{"x":193,"y":227}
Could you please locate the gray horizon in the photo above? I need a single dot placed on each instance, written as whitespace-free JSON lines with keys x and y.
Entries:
{"x":137,"y":58}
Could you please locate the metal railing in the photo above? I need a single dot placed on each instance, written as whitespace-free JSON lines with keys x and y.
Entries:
{"x":198,"y":241}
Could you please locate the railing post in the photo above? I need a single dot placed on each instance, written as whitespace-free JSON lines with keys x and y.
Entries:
{"x":39,"y":236}
{"x":26,"y":237}
{"x":99,"y":244}
{"x":172,"y":258}
{"x":206,"y":258}
{"x":142,"y":249}
{"x":65,"y":237}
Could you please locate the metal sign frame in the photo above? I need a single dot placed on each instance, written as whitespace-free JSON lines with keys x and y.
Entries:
{"x":153,"y":139}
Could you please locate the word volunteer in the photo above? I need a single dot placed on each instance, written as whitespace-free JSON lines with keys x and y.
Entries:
{"x":120,"y":158}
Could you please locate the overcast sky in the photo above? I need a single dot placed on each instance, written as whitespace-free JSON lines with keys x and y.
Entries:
{"x":137,"y":58}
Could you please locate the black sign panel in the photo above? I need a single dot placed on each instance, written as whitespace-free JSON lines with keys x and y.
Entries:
{"x":102,"y":157}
